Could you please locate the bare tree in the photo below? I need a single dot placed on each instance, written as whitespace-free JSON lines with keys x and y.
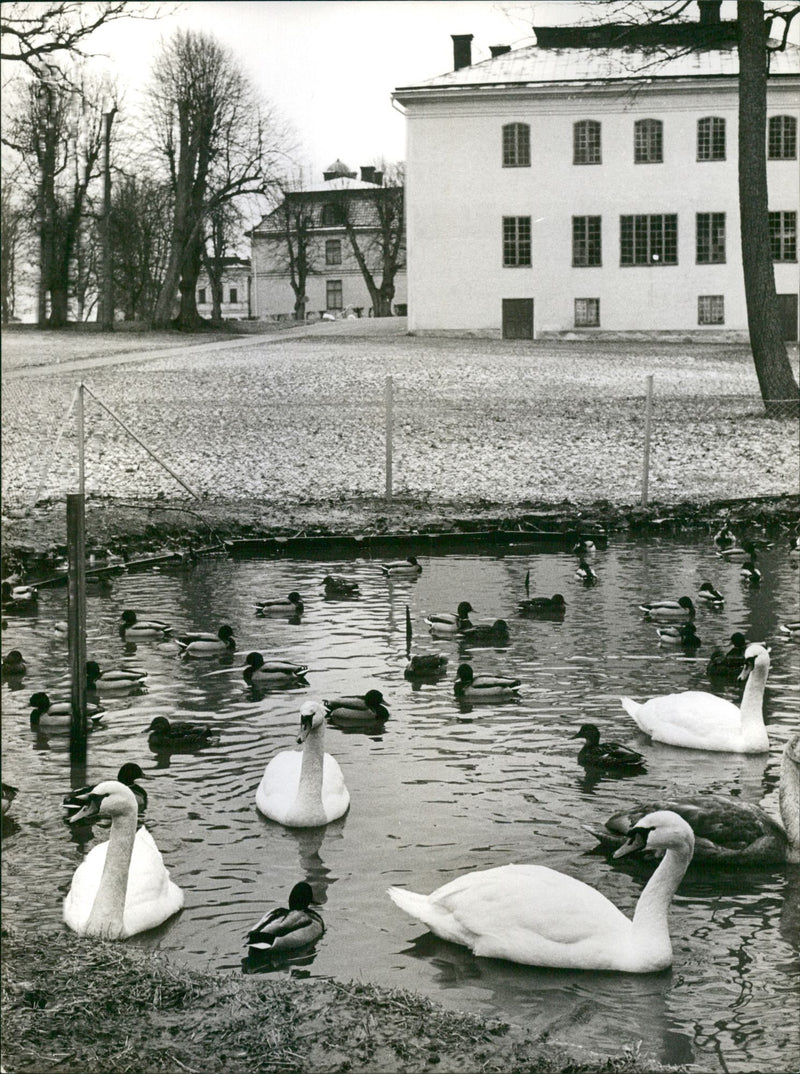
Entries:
{"x":141,"y":209}
{"x":378,"y":237}
{"x":219,"y":144}
{"x":224,"y":228}
{"x":12,"y":234}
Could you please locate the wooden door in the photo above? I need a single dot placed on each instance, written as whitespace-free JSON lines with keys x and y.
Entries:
{"x":517,"y":318}
{"x":787,"y":306}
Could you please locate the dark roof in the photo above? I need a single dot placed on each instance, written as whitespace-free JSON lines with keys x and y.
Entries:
{"x":644,"y":35}
{"x":360,"y":203}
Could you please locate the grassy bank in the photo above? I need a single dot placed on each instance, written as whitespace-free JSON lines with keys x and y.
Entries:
{"x":88,"y":1007}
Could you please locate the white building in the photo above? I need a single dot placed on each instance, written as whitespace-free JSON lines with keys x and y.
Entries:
{"x":236,"y":291}
{"x":588,"y":184}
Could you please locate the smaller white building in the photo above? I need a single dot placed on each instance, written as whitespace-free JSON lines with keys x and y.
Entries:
{"x":236,"y":291}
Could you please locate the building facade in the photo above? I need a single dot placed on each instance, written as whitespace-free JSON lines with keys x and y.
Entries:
{"x":335,"y":283}
{"x":588,"y":184}
{"x":236,"y":291}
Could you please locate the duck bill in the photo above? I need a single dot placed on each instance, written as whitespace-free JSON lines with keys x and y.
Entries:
{"x":637,"y":840}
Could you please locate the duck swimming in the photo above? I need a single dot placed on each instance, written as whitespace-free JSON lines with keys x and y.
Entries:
{"x":726,"y":830}
{"x":337,"y":586}
{"x":750,"y":573}
{"x":287,"y":928}
{"x":14,"y":665}
{"x":471,"y":687}
{"x":611,"y":755}
{"x":259,"y":671}
{"x":199,"y":645}
{"x":304,"y":788}
{"x":584,"y":547}
{"x":496,"y":631}
{"x":425,"y":665}
{"x":19,"y":598}
{"x":451,"y":622}
{"x":127,"y":775}
{"x":585,"y":574}
{"x":746,"y":550}
{"x":728,"y":665}
{"x":163,"y":733}
{"x":290,"y":605}
{"x":357,"y":708}
{"x":539,"y":917}
{"x":682,"y":608}
{"x":117,"y":680}
{"x":121,"y":887}
{"x":133,"y":627}
{"x":711,"y":595}
{"x":683,"y":634}
{"x":402,"y":568}
{"x":724,"y":537}
{"x":57,"y":715}
{"x":554,"y":605}
{"x":701,"y":721}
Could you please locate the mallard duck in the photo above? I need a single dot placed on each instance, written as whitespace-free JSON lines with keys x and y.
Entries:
{"x":127,"y":775}
{"x":336,"y":586}
{"x":711,"y":595}
{"x":584,"y":547}
{"x":304,"y":788}
{"x":121,"y":887}
{"x":746,"y":550}
{"x":133,"y":627}
{"x":163,"y":733}
{"x":7,"y":796}
{"x":117,"y":679}
{"x":792,"y":629}
{"x":273,"y":672}
{"x":18,"y":596}
{"x":682,"y":608}
{"x":597,"y":754}
{"x":750,"y":573}
{"x":14,"y":665}
{"x":289,"y":605}
{"x":539,"y":917}
{"x":208,"y":644}
{"x":57,"y":715}
{"x":725,"y":537}
{"x":701,"y":721}
{"x":683,"y":634}
{"x":357,"y":708}
{"x":471,"y":687}
{"x":425,"y":665}
{"x":451,"y":622}
{"x":727,"y":830}
{"x":554,"y":605}
{"x":288,"y":927}
{"x":585,"y":574}
{"x":496,"y":631}
{"x":728,"y":665}
{"x":402,"y":568}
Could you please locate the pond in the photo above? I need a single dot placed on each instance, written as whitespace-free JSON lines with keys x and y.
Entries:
{"x":445,"y":788}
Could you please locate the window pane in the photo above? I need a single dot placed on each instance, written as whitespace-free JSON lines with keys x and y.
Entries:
{"x":333,"y":252}
{"x":783,"y":236}
{"x":710,"y":238}
{"x":711,"y":309}
{"x":333,"y":295}
{"x":516,"y":241}
{"x":586,"y":241}
{"x":586,"y":142}
{"x":516,"y":145}
{"x":587,"y":312}
{"x":782,"y":140}
{"x":649,"y":240}
{"x":711,"y":138}
{"x":234,"y":295}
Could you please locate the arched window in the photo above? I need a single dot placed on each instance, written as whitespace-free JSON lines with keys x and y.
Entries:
{"x":586,"y":142}
{"x":333,"y":215}
{"x":711,"y":138}
{"x":782,"y":140}
{"x":648,"y":141}
{"x":516,"y":145}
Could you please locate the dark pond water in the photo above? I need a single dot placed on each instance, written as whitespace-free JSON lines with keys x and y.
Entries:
{"x":446,"y":788}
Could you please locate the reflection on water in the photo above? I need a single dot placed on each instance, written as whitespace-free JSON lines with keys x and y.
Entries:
{"x":443,"y":788}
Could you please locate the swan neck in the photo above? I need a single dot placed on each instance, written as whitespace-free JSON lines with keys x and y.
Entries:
{"x":789,"y":798}
{"x":309,"y":793}
{"x":651,"y":918}
{"x":106,"y":916}
{"x":753,"y":697}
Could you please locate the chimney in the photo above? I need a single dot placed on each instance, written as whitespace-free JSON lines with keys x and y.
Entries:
{"x":462,"y":51}
{"x":709,"y":12}
{"x":378,"y":179}
{"x":367,"y":173}
{"x":499,"y":50}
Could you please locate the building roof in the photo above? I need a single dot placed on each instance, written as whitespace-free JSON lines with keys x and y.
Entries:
{"x":361,"y":210}
{"x":569,"y":63}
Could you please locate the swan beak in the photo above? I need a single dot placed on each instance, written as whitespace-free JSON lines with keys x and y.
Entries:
{"x":305,"y":727}
{"x":637,"y":839}
{"x":91,"y":809}
{"x":748,"y":667}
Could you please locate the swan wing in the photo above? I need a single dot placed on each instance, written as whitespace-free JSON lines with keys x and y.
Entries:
{"x":279,"y":785}
{"x":694,"y":719}
{"x":335,"y":795}
{"x":85,"y":882}
{"x":151,"y":896}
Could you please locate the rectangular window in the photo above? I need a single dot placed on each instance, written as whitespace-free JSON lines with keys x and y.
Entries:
{"x":711,"y":309}
{"x":201,"y":295}
{"x":648,"y":141}
{"x":711,"y":138}
{"x":783,"y":236}
{"x":710,"y":238}
{"x":234,"y":295}
{"x":587,"y":312}
{"x":586,"y":142}
{"x":586,"y":242}
{"x":516,"y":145}
{"x":333,"y":251}
{"x":782,"y":138}
{"x":649,"y":240}
{"x":333,"y":294}
{"x":516,"y":241}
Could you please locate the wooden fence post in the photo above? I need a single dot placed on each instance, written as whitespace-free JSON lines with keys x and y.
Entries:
{"x":648,"y":418}
{"x":388,"y":395}
{"x":76,"y":619}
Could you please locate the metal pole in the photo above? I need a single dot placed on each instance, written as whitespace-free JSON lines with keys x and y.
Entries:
{"x":106,"y":317}
{"x":648,"y":417}
{"x":81,"y":440}
{"x":389,"y":408}
{"x":76,"y":619}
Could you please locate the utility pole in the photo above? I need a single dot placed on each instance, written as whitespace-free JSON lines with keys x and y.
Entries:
{"x":47,"y":165}
{"x":106,"y":312}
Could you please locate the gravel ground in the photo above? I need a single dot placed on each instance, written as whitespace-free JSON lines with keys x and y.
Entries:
{"x":282,"y":428}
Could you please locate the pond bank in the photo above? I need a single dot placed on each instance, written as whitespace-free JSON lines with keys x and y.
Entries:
{"x":91,"y":1007}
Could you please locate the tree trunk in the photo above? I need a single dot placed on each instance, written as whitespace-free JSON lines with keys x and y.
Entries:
{"x":58,"y":307}
{"x":773,"y":369}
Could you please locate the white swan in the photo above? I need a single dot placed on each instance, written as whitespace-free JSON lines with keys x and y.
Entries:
{"x":727,"y":831}
{"x":540,"y":917}
{"x":701,"y":721}
{"x":122,"y":886}
{"x":304,"y":788}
